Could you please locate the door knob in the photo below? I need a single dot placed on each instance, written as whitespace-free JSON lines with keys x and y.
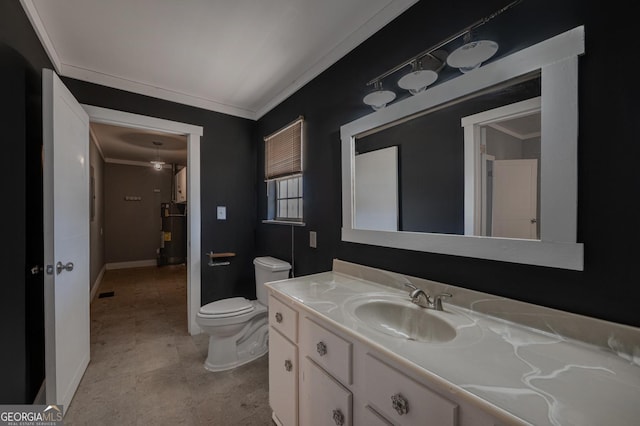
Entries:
{"x":60,"y":267}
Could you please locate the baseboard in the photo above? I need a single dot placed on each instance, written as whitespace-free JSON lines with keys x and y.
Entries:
{"x":96,"y":284}
{"x":133,"y":264}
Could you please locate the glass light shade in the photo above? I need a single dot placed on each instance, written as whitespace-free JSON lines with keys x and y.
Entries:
{"x":417,"y":81}
{"x":379,"y":99}
{"x":471,"y":55}
{"x":157,"y":164}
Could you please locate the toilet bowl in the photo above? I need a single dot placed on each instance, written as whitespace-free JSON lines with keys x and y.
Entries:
{"x":238,"y":327}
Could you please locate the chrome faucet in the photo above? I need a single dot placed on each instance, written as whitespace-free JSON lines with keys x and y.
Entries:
{"x":418,"y":296}
{"x":422,"y":299}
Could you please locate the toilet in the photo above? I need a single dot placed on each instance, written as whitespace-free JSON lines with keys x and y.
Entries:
{"x":238,"y":327}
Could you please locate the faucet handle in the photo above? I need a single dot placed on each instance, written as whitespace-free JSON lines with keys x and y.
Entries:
{"x":437,"y":300}
{"x":411,"y":286}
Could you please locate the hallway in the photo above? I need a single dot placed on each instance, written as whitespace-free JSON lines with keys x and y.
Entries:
{"x":146,"y":369}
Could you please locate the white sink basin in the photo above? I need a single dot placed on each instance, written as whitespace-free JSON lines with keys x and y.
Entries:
{"x":404,"y":320}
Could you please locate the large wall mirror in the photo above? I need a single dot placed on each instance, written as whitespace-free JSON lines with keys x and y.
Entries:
{"x":483,"y":165}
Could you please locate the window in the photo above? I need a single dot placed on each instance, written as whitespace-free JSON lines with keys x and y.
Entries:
{"x":283,"y":173}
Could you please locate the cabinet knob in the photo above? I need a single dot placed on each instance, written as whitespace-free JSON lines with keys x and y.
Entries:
{"x":338,"y":417}
{"x":400,"y":404}
{"x":321,"y":348}
{"x":278,"y":317}
{"x":288,"y":365}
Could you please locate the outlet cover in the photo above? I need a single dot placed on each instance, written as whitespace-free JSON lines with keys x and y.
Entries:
{"x":222,"y":213}
{"x":312,"y":239}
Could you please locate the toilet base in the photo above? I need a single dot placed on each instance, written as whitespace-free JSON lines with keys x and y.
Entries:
{"x":217,"y":367}
{"x":228,"y":353}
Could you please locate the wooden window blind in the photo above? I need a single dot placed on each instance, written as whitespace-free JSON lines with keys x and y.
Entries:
{"x":283,"y":151}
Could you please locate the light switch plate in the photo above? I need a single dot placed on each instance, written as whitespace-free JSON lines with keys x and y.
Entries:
{"x":222,"y":213}
{"x":312,"y":239}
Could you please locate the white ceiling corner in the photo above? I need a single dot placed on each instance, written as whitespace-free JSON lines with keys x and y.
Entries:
{"x":238,"y":57}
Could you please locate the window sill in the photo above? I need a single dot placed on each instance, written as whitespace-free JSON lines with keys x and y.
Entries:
{"x":283,"y":222}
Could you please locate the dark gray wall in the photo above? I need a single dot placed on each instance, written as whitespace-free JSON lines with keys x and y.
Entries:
{"x":607,"y":153}
{"x":132,"y":228}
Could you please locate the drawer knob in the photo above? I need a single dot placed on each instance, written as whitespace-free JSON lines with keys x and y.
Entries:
{"x":278,"y":317}
{"x":338,"y":417}
{"x":400,"y":404}
{"x":321,"y":348}
{"x":288,"y":365}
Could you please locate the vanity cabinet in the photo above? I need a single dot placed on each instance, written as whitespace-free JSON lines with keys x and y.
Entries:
{"x":323,"y":400}
{"x":401,"y":400}
{"x":320,"y":375}
{"x":283,"y":363}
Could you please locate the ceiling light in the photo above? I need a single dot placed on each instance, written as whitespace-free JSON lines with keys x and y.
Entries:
{"x":379,"y":98}
{"x":157,"y":163}
{"x":472,"y":54}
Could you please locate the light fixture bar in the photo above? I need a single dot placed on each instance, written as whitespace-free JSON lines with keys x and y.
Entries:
{"x":444,"y":42}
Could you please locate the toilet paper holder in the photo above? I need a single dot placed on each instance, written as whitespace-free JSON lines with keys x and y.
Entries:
{"x":213,"y":258}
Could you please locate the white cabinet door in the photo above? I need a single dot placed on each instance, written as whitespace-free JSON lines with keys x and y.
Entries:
{"x":323,"y":401}
{"x":402,"y":400}
{"x":283,"y":378}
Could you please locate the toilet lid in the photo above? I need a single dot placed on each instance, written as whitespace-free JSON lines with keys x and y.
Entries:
{"x":227,"y":307}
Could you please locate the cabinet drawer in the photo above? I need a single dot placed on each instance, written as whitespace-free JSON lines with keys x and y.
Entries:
{"x":283,"y":319}
{"x":330,"y":351}
{"x":404,"y":401}
{"x":323,"y":401}
{"x":373,"y":418}
{"x":283,"y":378}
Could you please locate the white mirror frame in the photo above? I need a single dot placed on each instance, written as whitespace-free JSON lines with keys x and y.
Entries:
{"x":557,"y":60}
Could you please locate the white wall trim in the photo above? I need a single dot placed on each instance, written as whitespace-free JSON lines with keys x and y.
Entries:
{"x":376,"y":23}
{"x":193,"y":133}
{"x":359,"y":35}
{"x":96,"y":284}
{"x":43,"y":36}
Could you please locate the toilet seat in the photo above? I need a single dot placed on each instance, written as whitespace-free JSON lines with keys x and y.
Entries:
{"x":226,"y":308}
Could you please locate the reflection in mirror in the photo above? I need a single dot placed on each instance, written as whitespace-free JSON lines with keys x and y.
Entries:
{"x":376,"y":190}
{"x":429,"y":172}
{"x":506,"y":142}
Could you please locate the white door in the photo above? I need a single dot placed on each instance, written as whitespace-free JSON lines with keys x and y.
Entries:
{"x":515,"y":184}
{"x":66,"y":239}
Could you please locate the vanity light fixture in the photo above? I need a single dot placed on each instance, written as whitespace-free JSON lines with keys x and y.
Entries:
{"x":472,"y":54}
{"x":424,"y":72}
{"x":466,"y":58}
{"x":157,"y":163}
{"x":379,"y":98}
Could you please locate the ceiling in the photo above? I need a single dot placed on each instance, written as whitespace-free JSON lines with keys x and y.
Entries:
{"x":136,"y":146}
{"x":239,"y":57}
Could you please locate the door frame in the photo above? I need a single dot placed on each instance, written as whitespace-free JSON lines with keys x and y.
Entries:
{"x":473,"y":150}
{"x":193,"y":134}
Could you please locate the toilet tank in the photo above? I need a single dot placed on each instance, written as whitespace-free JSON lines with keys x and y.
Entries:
{"x":269,"y":269}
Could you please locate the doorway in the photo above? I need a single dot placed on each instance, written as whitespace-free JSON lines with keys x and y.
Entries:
{"x":193,"y":134}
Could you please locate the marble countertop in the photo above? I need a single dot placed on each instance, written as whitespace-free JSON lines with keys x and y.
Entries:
{"x":531,"y":376}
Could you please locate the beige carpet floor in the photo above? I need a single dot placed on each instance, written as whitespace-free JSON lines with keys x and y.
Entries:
{"x":146,"y":369}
